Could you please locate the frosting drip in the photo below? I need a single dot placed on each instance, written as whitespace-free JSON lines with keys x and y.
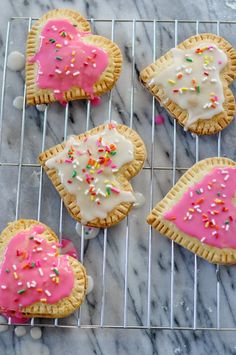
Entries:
{"x":207,"y":210}
{"x":65,"y":60}
{"x":193,"y":81}
{"x":31,"y":271}
{"x":87,"y":170}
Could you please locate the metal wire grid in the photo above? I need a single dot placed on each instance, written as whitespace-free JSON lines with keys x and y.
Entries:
{"x":152,"y":168}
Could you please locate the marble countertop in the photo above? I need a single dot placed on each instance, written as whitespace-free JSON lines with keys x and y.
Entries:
{"x":204,"y":315}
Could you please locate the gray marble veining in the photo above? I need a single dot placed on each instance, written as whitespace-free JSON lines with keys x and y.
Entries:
{"x":106,"y":341}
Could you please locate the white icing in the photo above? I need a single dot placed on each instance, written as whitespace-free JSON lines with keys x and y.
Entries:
{"x":16,"y":61}
{"x":36,"y":333}
{"x":93,"y":179}
{"x":20,"y":331}
{"x":18,"y":103}
{"x":197,"y":83}
{"x":90,"y":284}
{"x":140,"y":199}
{"x":41,"y":107}
{"x":89,"y":232}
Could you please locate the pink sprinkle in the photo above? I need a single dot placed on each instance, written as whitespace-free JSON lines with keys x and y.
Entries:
{"x":68,"y":161}
{"x":99,"y":171}
{"x":114,"y":189}
{"x":219,"y":62}
{"x":114,"y":166}
{"x":159,"y":120}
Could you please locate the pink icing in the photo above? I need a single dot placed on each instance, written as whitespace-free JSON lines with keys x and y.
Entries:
{"x":68,"y":248}
{"x":207,"y":211}
{"x":31,"y":271}
{"x":66,"y":61}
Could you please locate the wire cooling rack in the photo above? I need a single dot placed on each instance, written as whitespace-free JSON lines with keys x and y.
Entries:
{"x":159,"y":298}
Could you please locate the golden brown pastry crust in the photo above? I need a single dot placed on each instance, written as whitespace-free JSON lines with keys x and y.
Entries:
{"x":168,"y":229}
{"x":125,"y":173}
{"x":107,"y":80}
{"x":228,"y":74}
{"x":65,"y":306}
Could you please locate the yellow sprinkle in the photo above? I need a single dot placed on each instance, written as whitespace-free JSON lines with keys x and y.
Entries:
{"x":58,"y":45}
{"x":92,"y":198}
{"x":57,"y":280}
{"x":15,"y":275}
{"x":72,"y":60}
{"x":91,"y":171}
{"x":184,"y":89}
{"x":43,"y":300}
{"x":171,"y":81}
{"x":73,"y":52}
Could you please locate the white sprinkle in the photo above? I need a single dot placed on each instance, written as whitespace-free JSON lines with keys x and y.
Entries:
{"x":201,"y":190}
{"x":227,"y":227}
{"x":52,"y":275}
{"x":19,"y":283}
{"x":65,"y":42}
{"x":209,"y":187}
{"x":202,"y":240}
{"x":14,"y":267}
{"x":214,"y":233}
{"x":67,"y":72}
{"x":213,"y":221}
{"x":204,"y":79}
{"x":86,"y":192}
{"x":226,"y":177}
{"x":213,"y":180}
{"x":28,"y":284}
{"x":48,"y":293}
{"x":45,"y":258}
{"x":191,"y":193}
{"x":79,"y":178}
{"x":114,"y":170}
{"x":58,"y":71}
{"x":76,"y":73}
{"x":188,"y":70}
{"x":40,"y":271}
{"x":223,"y":195}
{"x":223,"y":172}
{"x":197,"y":206}
{"x":94,"y":65}
{"x":191,"y":89}
{"x":94,"y":51}
{"x":3,"y":287}
{"x":198,"y":210}
{"x":57,"y":91}
{"x":213,"y":80}
{"x":39,"y":249}
{"x":205,"y":106}
{"x":72,"y":65}
{"x":213,"y":205}
{"x":222,"y":185}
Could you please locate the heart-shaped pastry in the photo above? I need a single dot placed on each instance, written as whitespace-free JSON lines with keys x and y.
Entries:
{"x":35,"y":281}
{"x":91,"y":172}
{"x":192,"y":82}
{"x":199,"y":212}
{"x":65,"y":61}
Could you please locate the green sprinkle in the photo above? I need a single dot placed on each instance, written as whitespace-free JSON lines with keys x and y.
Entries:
{"x":21,"y":291}
{"x":7,"y":270}
{"x":74,"y":173}
{"x":198,"y":89}
{"x":226,"y":222}
{"x":108,"y":191}
{"x":113,"y":153}
{"x":58,"y":58}
{"x":218,"y":193}
{"x":56,"y":271}
{"x":31,"y":237}
{"x":52,"y":40}
{"x":32,"y":265}
{"x":63,"y":34}
{"x":88,"y":166}
{"x":198,"y":192}
{"x":189,"y":60}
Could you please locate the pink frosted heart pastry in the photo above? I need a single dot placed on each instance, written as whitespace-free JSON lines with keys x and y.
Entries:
{"x":199,"y":212}
{"x":65,"y":61}
{"x":34,"y":279}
